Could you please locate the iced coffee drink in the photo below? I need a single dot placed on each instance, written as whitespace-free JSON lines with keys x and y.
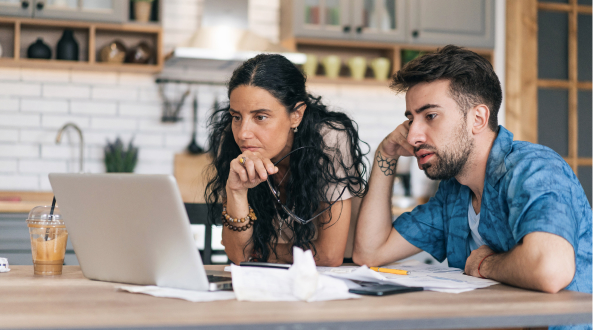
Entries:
{"x":48,"y":240}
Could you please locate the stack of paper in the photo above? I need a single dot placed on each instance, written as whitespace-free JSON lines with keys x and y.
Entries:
{"x":430,"y":277}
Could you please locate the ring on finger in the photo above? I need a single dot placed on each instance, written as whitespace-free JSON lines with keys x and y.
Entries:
{"x":242,"y":160}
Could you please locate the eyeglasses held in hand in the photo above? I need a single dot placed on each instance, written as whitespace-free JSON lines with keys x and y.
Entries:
{"x":276,"y":194}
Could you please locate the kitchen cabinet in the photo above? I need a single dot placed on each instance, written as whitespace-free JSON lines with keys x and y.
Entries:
{"x":468,"y":23}
{"x":322,"y":18}
{"x":398,"y":30}
{"x":87,"y":10}
{"x":16,"y":8}
{"x":378,"y":20}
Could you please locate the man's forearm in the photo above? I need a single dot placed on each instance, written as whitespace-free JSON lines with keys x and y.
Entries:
{"x":374,"y":219}
{"x":531,"y":267}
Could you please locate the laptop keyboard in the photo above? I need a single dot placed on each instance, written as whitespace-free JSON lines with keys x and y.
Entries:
{"x":214,"y":279}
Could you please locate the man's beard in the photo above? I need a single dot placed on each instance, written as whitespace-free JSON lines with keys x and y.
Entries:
{"x":451,"y":161}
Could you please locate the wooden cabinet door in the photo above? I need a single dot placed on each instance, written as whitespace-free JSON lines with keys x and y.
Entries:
{"x":85,"y":10}
{"x":23,"y":8}
{"x":322,"y":19}
{"x":467,"y":23}
{"x":379,"y":20}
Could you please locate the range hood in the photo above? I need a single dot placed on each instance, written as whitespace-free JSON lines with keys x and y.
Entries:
{"x":220,"y":45}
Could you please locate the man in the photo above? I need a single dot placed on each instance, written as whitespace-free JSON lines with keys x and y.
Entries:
{"x":506,"y":210}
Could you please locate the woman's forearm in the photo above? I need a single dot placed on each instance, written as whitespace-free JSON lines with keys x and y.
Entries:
{"x":284,"y":256}
{"x":236,"y":242}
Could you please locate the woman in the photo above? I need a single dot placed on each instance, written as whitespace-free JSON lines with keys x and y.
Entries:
{"x":271,"y":201}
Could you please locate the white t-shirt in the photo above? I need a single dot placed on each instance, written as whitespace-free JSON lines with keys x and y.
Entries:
{"x":474,"y":221}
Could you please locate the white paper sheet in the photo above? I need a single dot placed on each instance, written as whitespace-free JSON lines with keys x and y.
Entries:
{"x":430,"y":277}
{"x":193,"y":296}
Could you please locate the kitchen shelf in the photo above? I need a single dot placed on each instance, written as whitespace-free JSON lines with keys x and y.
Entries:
{"x":91,"y":37}
{"x":349,"y":48}
{"x":347,"y":81}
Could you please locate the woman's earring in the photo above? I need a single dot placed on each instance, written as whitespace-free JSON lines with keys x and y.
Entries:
{"x":296,"y":129}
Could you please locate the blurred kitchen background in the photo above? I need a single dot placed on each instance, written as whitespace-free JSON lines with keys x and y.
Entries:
{"x":93,"y":71}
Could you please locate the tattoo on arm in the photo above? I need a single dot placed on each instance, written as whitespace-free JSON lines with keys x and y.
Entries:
{"x":387,"y":166}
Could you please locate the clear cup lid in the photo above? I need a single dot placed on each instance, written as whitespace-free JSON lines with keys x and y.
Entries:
{"x":43,"y":214}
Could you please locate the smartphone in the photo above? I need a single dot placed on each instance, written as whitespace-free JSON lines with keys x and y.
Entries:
{"x":264,"y":264}
{"x":384,"y":289}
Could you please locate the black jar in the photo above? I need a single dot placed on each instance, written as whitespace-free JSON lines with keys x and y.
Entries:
{"x":67,"y":47}
{"x":39,"y":49}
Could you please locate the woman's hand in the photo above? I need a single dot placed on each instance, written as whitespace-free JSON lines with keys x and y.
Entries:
{"x":254,"y":171}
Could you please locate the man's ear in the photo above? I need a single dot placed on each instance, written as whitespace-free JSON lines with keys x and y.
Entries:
{"x":297,"y":115}
{"x":479,"y":115}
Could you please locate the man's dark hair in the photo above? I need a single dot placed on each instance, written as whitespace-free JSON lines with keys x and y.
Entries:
{"x":472,"y":78}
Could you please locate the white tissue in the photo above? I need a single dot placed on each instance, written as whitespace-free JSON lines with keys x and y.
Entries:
{"x":304,"y":274}
{"x":300,"y":282}
{"x":4,"y":265}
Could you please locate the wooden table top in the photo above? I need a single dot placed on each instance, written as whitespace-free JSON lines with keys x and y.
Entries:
{"x":72,"y":301}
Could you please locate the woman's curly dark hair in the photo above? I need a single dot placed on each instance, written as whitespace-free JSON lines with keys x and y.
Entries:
{"x":313,"y":170}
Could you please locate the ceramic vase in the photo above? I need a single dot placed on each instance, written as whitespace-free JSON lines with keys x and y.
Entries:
{"x":115,"y":52}
{"x":141,"y":54}
{"x":332,"y":65}
{"x":67,"y":47}
{"x":39,"y":49}
{"x":380,"y":68}
{"x":358,"y":67}
{"x":310,"y":65}
{"x":142,"y":10}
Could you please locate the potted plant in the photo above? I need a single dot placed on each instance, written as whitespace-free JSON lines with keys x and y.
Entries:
{"x":142,"y":10}
{"x":118,"y":159}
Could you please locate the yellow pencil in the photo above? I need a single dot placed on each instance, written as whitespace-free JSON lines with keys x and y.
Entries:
{"x":391,"y":271}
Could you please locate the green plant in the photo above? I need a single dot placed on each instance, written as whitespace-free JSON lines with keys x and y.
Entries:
{"x":118,"y":159}
{"x":409,"y":55}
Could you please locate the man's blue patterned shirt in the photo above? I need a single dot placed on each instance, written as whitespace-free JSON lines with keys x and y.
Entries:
{"x":528,"y":188}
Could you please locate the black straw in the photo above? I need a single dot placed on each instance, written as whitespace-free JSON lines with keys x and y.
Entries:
{"x":53,"y":206}
{"x":51,"y":217}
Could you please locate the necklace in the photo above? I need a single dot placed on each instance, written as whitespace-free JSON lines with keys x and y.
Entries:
{"x":284,"y":177}
{"x":280,"y":220}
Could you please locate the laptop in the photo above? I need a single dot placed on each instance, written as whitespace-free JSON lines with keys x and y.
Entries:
{"x":132,"y":228}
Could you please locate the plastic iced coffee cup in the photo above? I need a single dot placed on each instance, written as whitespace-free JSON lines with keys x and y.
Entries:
{"x":48,"y":240}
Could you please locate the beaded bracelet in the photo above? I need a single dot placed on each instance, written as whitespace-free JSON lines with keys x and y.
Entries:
{"x":227,"y":219}
{"x":234,"y":228}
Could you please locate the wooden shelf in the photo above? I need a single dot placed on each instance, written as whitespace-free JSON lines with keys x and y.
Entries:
{"x":91,"y":36}
{"x":368,"y":49}
{"x":347,"y":81}
{"x":72,"y":65}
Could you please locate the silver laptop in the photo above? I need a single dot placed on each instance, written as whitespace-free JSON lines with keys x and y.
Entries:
{"x":131,"y":228}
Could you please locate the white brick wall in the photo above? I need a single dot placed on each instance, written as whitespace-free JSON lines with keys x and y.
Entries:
{"x":35,"y":103}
